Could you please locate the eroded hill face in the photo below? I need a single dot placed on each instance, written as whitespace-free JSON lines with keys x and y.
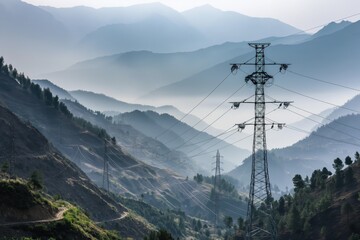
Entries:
{"x":32,"y":152}
{"x":19,"y":203}
{"x":26,"y":211}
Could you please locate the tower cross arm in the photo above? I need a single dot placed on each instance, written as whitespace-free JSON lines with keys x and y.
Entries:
{"x":252,"y":64}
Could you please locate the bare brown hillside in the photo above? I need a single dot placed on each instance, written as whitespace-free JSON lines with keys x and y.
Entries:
{"x":33,"y":152}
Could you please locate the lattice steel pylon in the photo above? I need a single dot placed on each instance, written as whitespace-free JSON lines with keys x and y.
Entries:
{"x":260,"y":198}
{"x":217,"y":189}
{"x":106,"y":169}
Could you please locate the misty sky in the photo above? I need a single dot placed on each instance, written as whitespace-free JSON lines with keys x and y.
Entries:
{"x":303,"y":14}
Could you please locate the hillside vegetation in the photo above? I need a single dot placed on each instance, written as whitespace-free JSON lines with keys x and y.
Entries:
{"x":323,"y":207}
{"x":26,"y":211}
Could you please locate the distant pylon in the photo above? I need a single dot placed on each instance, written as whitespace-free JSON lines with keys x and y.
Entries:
{"x":260,"y":198}
{"x":217,"y":187}
{"x":106,"y":169}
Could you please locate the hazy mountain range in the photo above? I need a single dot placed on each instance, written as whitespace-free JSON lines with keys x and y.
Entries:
{"x":111,"y":106}
{"x":312,"y":58}
{"x":74,"y":34}
{"x":201,"y":70}
{"x":140,"y":125}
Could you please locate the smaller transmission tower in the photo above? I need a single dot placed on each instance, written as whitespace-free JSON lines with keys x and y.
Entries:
{"x":106,"y":169}
{"x":217,"y":187}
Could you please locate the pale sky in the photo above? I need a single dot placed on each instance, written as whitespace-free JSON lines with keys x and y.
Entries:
{"x":303,"y":14}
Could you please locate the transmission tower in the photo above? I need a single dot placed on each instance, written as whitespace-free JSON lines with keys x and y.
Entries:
{"x":217,"y":188}
{"x":263,"y":226}
{"x":106,"y":168}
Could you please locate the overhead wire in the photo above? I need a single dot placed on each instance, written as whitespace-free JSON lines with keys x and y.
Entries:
{"x":325,"y":118}
{"x":208,"y":114}
{"x":191,"y":110}
{"x":140,"y":182}
{"x":200,"y":204}
{"x":319,"y":135}
{"x":230,"y":144}
{"x":212,"y":137}
{"x":323,"y":81}
{"x":322,"y":124}
{"x":316,"y":99}
{"x":323,"y":25}
{"x":198,"y":133}
{"x":221,"y":140}
{"x":236,"y":207}
{"x":213,"y":145}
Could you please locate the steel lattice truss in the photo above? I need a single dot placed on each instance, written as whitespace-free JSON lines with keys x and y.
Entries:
{"x":259,"y":223}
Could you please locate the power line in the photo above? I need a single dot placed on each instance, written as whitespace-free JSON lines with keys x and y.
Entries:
{"x":318,"y":135}
{"x":320,"y":122}
{"x":204,"y":142}
{"x":223,"y":147}
{"x":176,"y":123}
{"x":198,"y":133}
{"x":323,"y":25}
{"x":323,"y":81}
{"x":200,"y":204}
{"x":220,"y":140}
{"x":203,"y":152}
{"x":228,"y":145}
{"x":233,"y":206}
{"x":146,"y":187}
{"x":215,"y":119}
{"x":208,"y":114}
{"x":316,"y":99}
{"x":330,"y":120}
{"x":327,"y":126}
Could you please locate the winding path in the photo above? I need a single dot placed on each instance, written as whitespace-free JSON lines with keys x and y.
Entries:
{"x":59,"y":216}
{"x":123,"y":215}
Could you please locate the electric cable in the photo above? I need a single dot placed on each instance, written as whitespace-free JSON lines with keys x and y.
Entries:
{"x":316,"y":99}
{"x":323,"y":81}
{"x":208,"y":114}
{"x":198,"y":104}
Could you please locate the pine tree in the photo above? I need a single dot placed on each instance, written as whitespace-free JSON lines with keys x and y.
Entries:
{"x":357,"y":156}
{"x":348,"y":160}
{"x":281,"y":207}
{"x":294,"y":222}
{"x":36,"y":180}
{"x":349,"y":176}
{"x":1,"y":62}
{"x":338,"y":164}
{"x":228,"y":221}
{"x":5,"y":167}
{"x":240,"y":222}
{"x":298,"y":182}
